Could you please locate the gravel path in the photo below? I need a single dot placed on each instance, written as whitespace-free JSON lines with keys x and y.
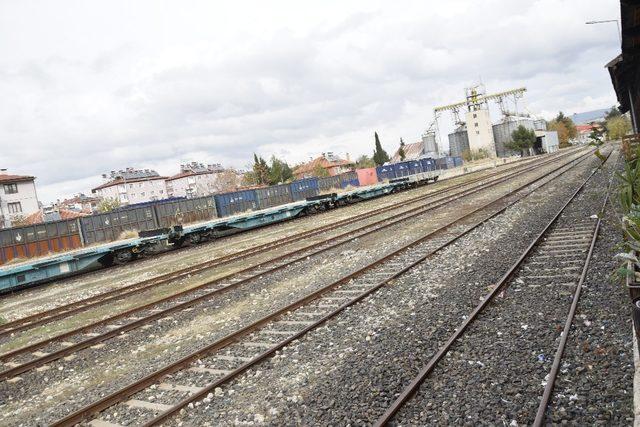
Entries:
{"x":348,"y":371}
{"x":595,"y":384}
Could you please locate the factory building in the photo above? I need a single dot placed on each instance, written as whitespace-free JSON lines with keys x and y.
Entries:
{"x":458,"y":141}
{"x":480,"y":131}
{"x":477,"y":134}
{"x":502,"y":134}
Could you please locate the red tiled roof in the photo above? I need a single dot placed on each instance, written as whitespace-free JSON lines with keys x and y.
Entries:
{"x":38,"y":217}
{"x":16,"y":178}
{"x":321,"y":161}
{"x":128,"y":181}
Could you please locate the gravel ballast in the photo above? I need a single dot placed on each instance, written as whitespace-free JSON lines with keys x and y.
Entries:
{"x":350,"y":370}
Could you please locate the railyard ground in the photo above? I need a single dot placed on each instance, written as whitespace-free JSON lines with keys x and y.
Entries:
{"x":348,"y":371}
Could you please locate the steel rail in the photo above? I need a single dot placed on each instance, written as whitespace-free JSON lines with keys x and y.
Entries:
{"x":564,"y":337}
{"x":412,"y":388}
{"x":66,"y":310}
{"x":150,"y":379}
{"x":16,"y":370}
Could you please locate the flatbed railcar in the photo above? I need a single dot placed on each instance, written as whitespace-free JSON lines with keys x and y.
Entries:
{"x":160,"y":228}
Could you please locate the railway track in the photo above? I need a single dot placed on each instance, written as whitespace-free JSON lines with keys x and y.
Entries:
{"x":114,"y":295}
{"x":195,"y":377}
{"x":555,"y":262}
{"x":26,"y":358}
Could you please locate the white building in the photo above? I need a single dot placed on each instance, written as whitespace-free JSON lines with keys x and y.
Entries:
{"x":195,"y":180}
{"x":480,"y":131}
{"x":18,"y":197}
{"x":548,"y":140}
{"x":132,"y":186}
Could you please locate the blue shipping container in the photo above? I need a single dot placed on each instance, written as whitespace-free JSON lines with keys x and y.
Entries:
{"x":385,"y":172}
{"x":445,"y":163}
{"x":414,"y":167}
{"x":428,"y":164}
{"x":350,"y":182}
{"x":236,"y":202}
{"x":457,"y":161}
{"x":304,"y":188}
{"x":402,"y":169}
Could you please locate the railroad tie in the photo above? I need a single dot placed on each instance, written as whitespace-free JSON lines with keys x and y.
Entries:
{"x":274,"y":332}
{"x":310,"y":313}
{"x":229,"y":358}
{"x":134,"y":403}
{"x":202,"y":370}
{"x":175,"y":387}
{"x":257,"y":344}
{"x":102,"y":423}
{"x":296,"y":322}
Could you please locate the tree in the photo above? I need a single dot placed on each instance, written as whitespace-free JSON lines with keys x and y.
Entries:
{"x":365,"y":161}
{"x":618,"y":126}
{"x":570,"y":128}
{"x":613,"y":113}
{"x":401,"y":152}
{"x":228,"y":180}
{"x":260,"y":170}
{"x":563,"y":133}
{"x":279,"y":171}
{"x":380,"y":156}
{"x":319,"y":171}
{"x":108,"y":204}
{"x":522,"y":139}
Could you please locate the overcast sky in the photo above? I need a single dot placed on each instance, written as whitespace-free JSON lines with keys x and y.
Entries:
{"x":87,"y":87}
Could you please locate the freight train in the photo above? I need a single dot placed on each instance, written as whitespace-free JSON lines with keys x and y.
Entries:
{"x":167,"y":216}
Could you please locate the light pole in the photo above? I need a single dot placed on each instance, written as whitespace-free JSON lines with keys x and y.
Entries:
{"x":606,"y":22}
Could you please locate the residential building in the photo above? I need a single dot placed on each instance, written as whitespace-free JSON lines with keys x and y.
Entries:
{"x":18,"y":198}
{"x":79,"y":203}
{"x":584,"y":131}
{"x":195,"y":180}
{"x":131,"y":186}
{"x":333,"y":164}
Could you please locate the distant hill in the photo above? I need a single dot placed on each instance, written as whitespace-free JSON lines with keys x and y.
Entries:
{"x":589,"y":116}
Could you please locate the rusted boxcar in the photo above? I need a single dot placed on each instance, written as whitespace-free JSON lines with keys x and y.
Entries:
{"x":39,"y":240}
{"x":185,"y":211}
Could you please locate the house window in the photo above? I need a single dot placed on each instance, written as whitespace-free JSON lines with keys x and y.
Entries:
{"x":15,"y":207}
{"x":142,"y":194}
{"x":475,"y":115}
{"x":475,"y":124}
{"x":10,"y":188}
{"x":161,"y":191}
{"x":477,"y":132}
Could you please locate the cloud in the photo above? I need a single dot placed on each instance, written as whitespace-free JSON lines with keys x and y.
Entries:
{"x":90,"y":88}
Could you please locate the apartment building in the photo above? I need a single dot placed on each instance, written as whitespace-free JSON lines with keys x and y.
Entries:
{"x":131,"y":186}
{"x":18,"y":198}
{"x":195,"y":180}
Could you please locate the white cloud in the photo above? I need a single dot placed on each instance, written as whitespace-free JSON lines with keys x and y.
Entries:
{"x":89,"y":87}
